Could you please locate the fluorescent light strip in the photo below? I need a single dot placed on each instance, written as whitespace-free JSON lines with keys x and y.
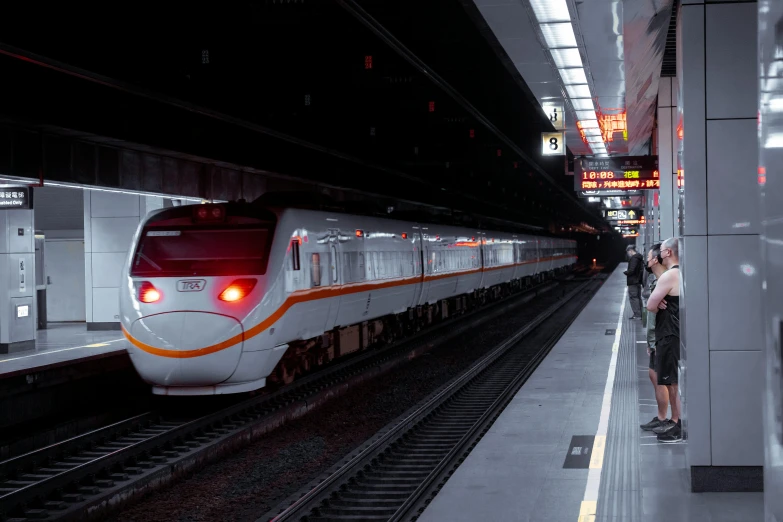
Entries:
{"x":578,"y":91}
{"x":550,"y":10}
{"x":589,"y":124}
{"x":594,"y":139}
{"x":564,"y":58}
{"x":558,"y":35}
{"x":585,"y":115}
{"x":574,"y":75}
{"x":29,"y":181}
{"x":582,"y":104}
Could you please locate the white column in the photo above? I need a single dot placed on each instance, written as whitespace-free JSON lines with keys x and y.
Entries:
{"x":720,"y":227}
{"x":110,"y":220}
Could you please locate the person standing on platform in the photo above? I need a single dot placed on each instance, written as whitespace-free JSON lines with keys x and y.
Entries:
{"x":633,"y":277}
{"x":655,"y":266}
{"x":666,"y":300}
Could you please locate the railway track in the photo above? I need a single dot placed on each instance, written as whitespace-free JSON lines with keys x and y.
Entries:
{"x":91,"y":474}
{"x":397,"y":473}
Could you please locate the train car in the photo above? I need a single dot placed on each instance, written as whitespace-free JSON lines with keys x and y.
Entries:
{"x":221,"y":298}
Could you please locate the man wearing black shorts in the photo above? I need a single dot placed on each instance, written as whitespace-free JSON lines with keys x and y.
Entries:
{"x":666,"y":300}
{"x":655,"y":266}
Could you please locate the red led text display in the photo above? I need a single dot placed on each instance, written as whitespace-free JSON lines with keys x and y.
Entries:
{"x":619,"y":173}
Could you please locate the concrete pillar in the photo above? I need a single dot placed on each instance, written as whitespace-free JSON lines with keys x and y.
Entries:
{"x":721,"y":330}
{"x":110,"y":220}
{"x":770,"y":181}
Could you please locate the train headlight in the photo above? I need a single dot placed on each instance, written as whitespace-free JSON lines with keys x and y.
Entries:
{"x":148,"y":293}
{"x":237,"y":290}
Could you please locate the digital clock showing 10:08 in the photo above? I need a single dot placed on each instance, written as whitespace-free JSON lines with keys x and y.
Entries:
{"x":608,"y":174}
{"x":623,"y":173}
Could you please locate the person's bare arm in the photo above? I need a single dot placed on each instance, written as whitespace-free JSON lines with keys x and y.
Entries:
{"x":660,"y":293}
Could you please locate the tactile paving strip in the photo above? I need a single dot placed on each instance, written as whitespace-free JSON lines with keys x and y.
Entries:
{"x":620,"y":493}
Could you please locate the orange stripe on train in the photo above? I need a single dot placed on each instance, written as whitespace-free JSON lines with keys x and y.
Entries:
{"x":302,"y":296}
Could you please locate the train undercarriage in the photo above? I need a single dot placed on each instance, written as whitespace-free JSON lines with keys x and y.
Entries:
{"x":302,"y":357}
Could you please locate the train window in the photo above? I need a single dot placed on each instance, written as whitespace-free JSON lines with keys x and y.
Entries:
{"x":315,"y":269}
{"x":295,"y":254}
{"x":188,"y":251}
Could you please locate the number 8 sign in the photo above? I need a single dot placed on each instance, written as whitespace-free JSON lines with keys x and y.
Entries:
{"x":553,"y":144}
{"x":555,"y":114}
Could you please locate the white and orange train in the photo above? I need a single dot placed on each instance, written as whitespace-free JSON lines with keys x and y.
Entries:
{"x":220,"y":298}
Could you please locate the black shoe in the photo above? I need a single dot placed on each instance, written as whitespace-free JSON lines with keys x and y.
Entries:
{"x":664,"y":427}
{"x":671,"y":436}
{"x":654,"y":423}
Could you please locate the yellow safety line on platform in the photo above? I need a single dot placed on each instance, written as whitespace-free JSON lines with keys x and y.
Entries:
{"x":589,"y":506}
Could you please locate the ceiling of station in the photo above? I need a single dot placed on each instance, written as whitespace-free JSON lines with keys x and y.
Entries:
{"x":669,"y":67}
{"x":600,"y":58}
{"x":415,"y":108}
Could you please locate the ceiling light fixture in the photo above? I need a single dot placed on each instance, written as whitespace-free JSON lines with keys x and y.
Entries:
{"x":550,"y":10}
{"x":573,"y":75}
{"x":566,"y":57}
{"x":582,"y":104}
{"x":585,"y":115}
{"x":578,"y":91}
{"x":559,"y":35}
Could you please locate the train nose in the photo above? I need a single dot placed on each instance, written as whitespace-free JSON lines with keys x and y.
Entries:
{"x":186,"y":348}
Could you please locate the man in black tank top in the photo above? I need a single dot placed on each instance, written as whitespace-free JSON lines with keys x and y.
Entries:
{"x":666,"y":300}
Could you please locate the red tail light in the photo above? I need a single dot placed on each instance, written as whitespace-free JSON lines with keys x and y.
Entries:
{"x":209,"y":213}
{"x":148,"y":293}
{"x":237,"y":290}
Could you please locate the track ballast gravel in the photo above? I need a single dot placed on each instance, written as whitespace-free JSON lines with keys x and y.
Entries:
{"x":254,"y":480}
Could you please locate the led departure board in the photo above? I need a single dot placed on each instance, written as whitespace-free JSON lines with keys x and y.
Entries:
{"x":623,"y":173}
{"x":607,"y":193}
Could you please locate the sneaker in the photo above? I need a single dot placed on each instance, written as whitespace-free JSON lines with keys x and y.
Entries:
{"x":664,"y":427}
{"x":654,"y":423}
{"x":671,"y":436}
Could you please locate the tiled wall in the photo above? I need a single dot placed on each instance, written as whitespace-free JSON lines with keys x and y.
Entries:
{"x":771,"y":191}
{"x":721,"y":325}
{"x":110,"y":220}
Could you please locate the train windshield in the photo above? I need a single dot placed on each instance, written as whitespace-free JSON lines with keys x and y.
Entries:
{"x":201,"y":251}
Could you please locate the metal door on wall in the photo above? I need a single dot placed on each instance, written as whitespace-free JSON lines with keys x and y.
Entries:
{"x":65,"y":299}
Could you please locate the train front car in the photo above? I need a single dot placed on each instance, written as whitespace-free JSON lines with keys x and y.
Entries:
{"x":193,"y":277}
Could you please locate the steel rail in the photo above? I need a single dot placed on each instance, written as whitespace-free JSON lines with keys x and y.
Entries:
{"x":23,"y":484}
{"x":320,"y":492}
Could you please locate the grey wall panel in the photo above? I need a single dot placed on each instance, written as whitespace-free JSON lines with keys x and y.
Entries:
{"x":58,"y":208}
{"x":735,"y":389}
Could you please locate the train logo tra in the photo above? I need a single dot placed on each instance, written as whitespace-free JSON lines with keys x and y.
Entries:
{"x":191,"y":285}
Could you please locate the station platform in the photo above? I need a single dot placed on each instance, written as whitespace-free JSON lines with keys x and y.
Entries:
{"x":63,"y":344}
{"x":569,"y":446}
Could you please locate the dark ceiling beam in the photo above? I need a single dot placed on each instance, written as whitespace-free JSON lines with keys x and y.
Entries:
{"x":386,"y":36}
{"x":122,"y":86}
{"x":61,"y":67}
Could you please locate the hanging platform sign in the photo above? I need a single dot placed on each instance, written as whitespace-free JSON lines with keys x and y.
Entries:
{"x":16,"y":197}
{"x":553,"y":144}
{"x":607,"y":193}
{"x":622,"y":173}
{"x":556,"y":114}
{"x":623,"y":214}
